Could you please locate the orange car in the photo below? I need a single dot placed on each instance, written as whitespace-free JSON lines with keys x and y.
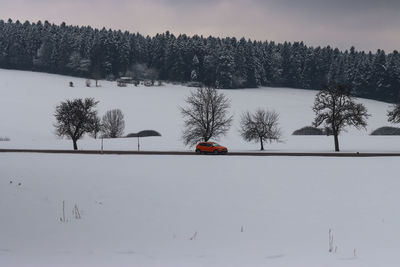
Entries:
{"x":210,"y":147}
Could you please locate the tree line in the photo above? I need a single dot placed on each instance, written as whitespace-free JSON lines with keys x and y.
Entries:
{"x":211,"y":61}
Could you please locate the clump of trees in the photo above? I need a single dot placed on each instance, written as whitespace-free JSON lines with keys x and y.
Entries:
{"x":113,"y":124}
{"x":336,"y":109}
{"x":386,"y":131}
{"x":144,"y":133}
{"x":260,"y":126}
{"x":76,"y":117}
{"x":206,"y":115}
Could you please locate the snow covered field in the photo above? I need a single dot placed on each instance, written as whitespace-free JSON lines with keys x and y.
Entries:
{"x":189,"y":210}
{"x":144,"y":211}
{"x":28,"y":101}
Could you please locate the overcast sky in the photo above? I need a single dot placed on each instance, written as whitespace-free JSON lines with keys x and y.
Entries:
{"x":366,"y":24}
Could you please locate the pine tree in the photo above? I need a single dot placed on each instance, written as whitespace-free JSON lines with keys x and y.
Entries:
{"x":194,"y":75}
{"x":225,"y":69}
{"x":378,"y":79}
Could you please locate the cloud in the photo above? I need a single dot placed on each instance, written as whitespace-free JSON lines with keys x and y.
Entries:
{"x":366,"y":24}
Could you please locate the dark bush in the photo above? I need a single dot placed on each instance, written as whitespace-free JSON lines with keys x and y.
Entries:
{"x":145,"y":133}
{"x":194,"y":84}
{"x":309,"y":130}
{"x":387,"y":130}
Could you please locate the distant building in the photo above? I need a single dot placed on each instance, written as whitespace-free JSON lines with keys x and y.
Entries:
{"x":123,"y":81}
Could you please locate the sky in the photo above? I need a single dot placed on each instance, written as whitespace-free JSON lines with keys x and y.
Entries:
{"x":366,"y":24}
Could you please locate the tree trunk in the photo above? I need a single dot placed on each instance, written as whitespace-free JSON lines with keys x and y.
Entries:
{"x":335,"y":133}
{"x":75,"y":144}
{"x":262,"y":144}
{"x":335,"y":136}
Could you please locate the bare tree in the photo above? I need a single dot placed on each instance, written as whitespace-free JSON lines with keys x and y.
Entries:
{"x":335,"y":108}
{"x":394,"y":114}
{"x":75,"y":117}
{"x":113,"y":124}
{"x":261,"y":126}
{"x":206,"y":116}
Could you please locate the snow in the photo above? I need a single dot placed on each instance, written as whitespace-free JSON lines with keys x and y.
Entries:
{"x":143,"y":210}
{"x":28,"y":102}
{"x":147,"y":210}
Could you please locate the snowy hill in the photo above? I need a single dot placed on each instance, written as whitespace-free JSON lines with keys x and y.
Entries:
{"x":195,"y":210}
{"x":28,"y":101}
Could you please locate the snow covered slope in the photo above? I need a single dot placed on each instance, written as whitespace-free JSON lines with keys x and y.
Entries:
{"x":28,"y":101}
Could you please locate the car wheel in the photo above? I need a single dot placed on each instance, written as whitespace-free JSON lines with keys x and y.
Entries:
{"x":198,"y":152}
{"x":215,"y":152}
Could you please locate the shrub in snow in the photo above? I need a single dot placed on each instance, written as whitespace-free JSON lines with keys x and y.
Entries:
{"x":193,"y":237}
{"x":4,"y":139}
{"x":63,"y":218}
{"x":145,"y":133}
{"x":76,"y":212}
{"x":386,"y":131}
{"x":309,"y":130}
{"x":330,"y":249}
{"x":113,"y":124}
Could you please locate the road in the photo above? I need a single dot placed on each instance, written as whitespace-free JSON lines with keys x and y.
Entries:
{"x":187,"y":153}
